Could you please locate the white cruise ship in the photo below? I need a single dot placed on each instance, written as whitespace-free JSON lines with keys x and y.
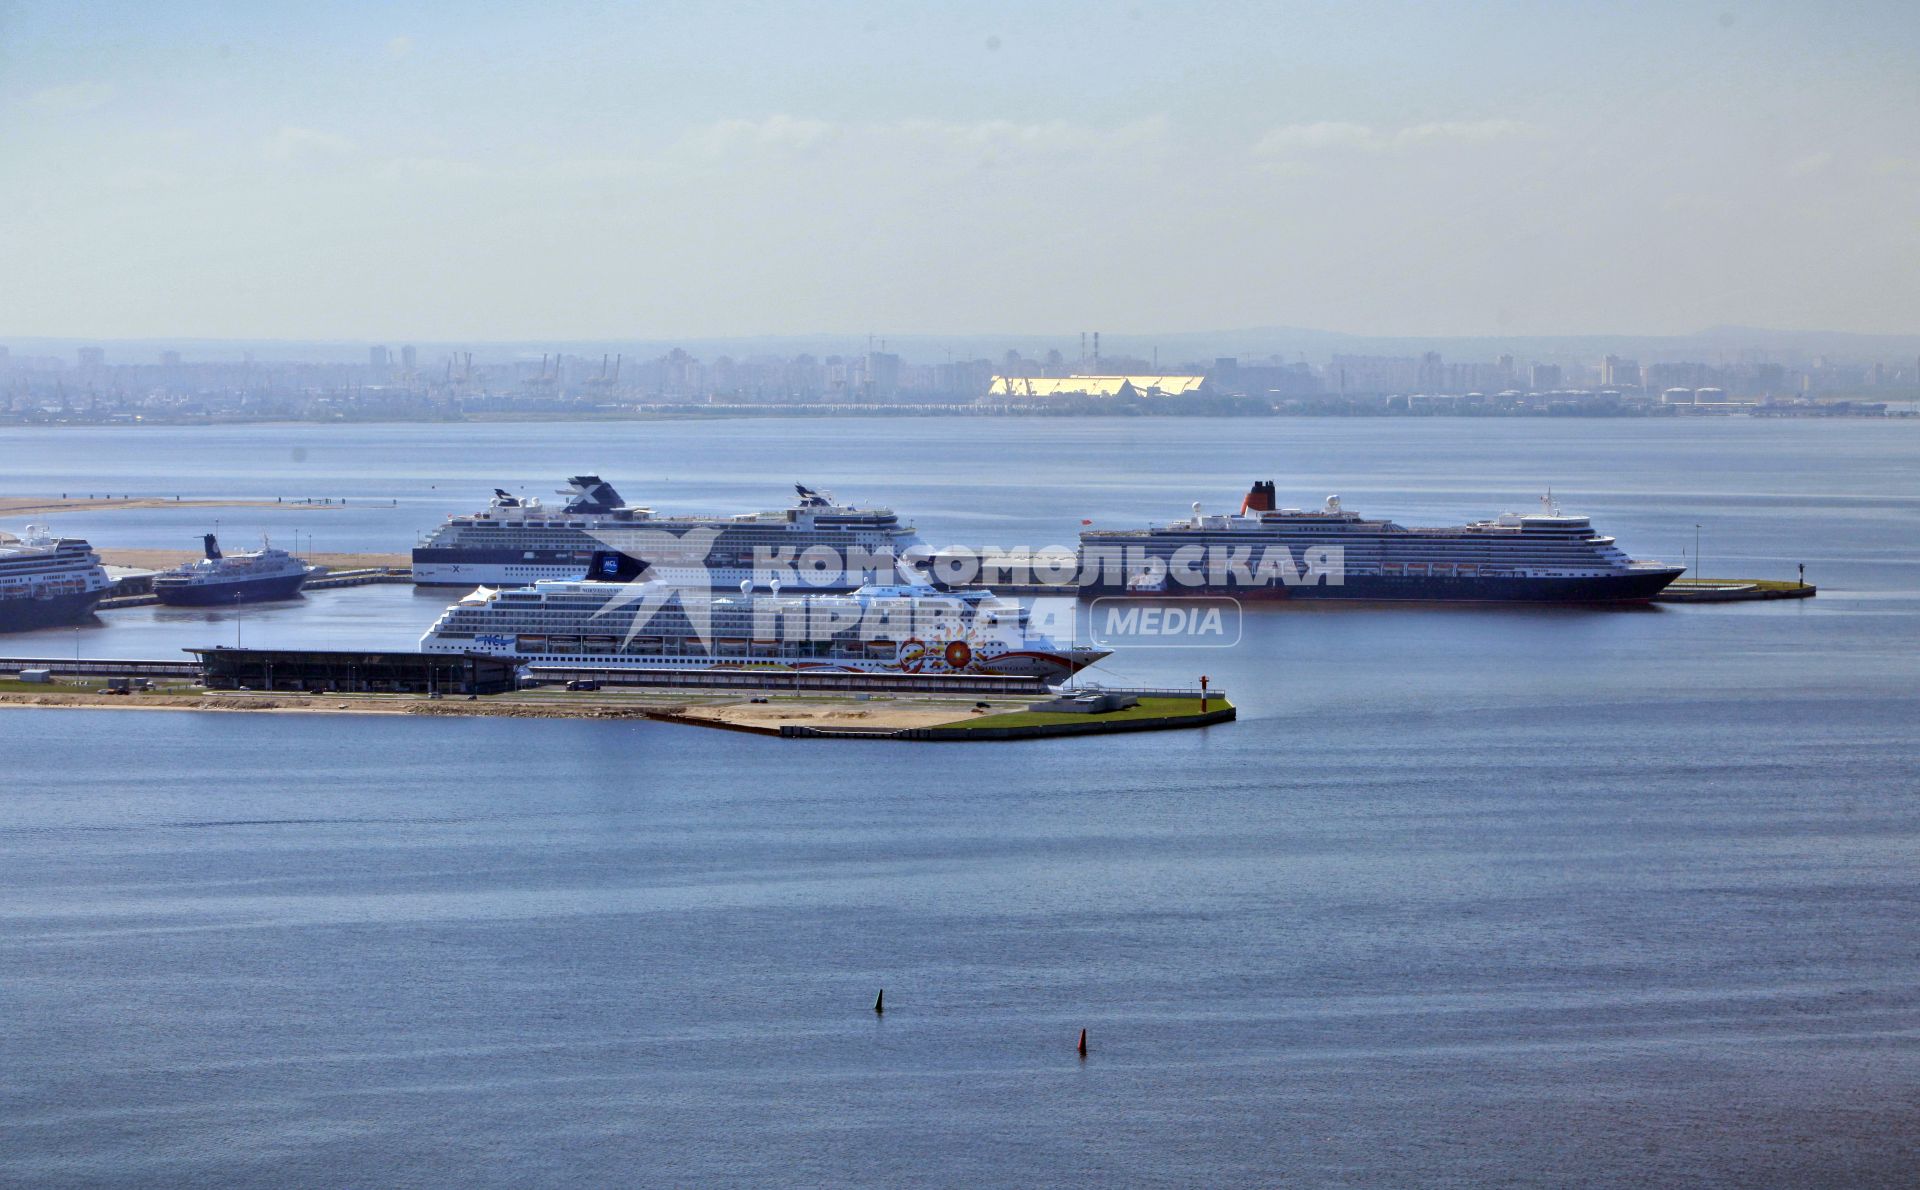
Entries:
{"x":518,"y":540}
{"x":612,"y":619}
{"x":46,"y":581}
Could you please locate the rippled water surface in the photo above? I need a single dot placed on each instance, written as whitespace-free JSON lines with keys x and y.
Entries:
{"x":1480,"y":896}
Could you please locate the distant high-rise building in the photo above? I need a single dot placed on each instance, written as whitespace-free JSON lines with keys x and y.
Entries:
{"x":93,"y":357}
{"x":409,"y":357}
{"x":377,"y":357}
{"x":883,"y":372}
{"x":1618,"y":373}
{"x":1373,"y":373}
{"x":1432,"y":373}
{"x":1544,"y":377}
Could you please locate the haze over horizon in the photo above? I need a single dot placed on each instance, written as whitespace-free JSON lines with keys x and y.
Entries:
{"x":419,"y":171}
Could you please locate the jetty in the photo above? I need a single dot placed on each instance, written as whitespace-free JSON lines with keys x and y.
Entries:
{"x":1733,"y":590}
{"x":781,"y":704}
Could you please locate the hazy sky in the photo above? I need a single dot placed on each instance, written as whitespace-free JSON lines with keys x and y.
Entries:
{"x":559,"y":170}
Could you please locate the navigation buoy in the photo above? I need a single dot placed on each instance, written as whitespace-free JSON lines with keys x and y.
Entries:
{"x":1083,"y":1043}
{"x":880,"y":1002}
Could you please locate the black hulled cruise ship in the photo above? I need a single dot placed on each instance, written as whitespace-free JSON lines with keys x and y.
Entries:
{"x":216,"y":579}
{"x":1265,"y":552}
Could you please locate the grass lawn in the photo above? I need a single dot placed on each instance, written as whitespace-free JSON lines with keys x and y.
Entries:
{"x":15,"y":686}
{"x":1148,"y":708}
{"x":1708,"y":584}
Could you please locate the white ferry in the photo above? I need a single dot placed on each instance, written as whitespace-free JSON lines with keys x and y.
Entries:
{"x":611,"y":618}
{"x":520,"y":540}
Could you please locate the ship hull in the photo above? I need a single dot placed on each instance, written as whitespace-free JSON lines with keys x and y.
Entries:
{"x":1049,"y":665}
{"x":434,"y":568}
{"x":284,"y":586}
{"x":24,"y":615}
{"x":1637,"y":586}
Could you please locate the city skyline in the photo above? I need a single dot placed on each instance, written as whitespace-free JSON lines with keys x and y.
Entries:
{"x":424,"y":173}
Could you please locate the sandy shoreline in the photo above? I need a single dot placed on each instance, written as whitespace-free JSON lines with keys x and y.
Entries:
{"x":144,"y":559}
{"x":777,"y":715}
{"x":18,"y":506}
{"x":321,"y":704}
{"x":762,"y":716}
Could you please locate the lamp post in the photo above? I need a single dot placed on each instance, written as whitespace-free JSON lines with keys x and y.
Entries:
{"x":1697,"y":572}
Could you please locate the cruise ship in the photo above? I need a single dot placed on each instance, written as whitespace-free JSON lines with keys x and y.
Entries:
{"x":1330,"y":552}
{"x":614,"y":617}
{"x":217,"y":578}
{"x":46,"y":581}
{"x":518,"y":540}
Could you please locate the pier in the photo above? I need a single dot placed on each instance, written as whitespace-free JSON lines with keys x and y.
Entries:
{"x":1733,"y":590}
{"x":784,"y":704}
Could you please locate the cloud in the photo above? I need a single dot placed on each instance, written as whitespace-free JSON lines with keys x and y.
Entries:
{"x":430,"y":169}
{"x":71,"y":98}
{"x":1468,"y":131}
{"x":1325,"y":135}
{"x":1292,"y":139}
{"x":783,"y":134}
{"x":974,"y":143}
{"x":1812,"y":163}
{"x":1698,"y":206}
{"x":141,"y":178}
{"x":605,"y":169}
{"x":293,"y":145}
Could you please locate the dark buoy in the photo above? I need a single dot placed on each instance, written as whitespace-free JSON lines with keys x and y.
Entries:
{"x":1083,"y":1043}
{"x":880,"y":1002}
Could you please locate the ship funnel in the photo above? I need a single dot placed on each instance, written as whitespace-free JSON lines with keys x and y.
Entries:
{"x":213,"y":545}
{"x":589,"y":494}
{"x":612,"y":566}
{"x":1260,"y":497}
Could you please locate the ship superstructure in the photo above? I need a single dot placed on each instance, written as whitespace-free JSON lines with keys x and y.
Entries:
{"x":518,"y":540}
{"x":217,"y":578}
{"x":613,"y":618}
{"x":48,"y":581}
{"x":1331,"y":552}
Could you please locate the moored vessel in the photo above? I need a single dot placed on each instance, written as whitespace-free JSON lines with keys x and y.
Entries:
{"x":47,"y":581}
{"x":1333,"y":553}
{"x":817,"y":542}
{"x":616,"y":616}
{"x":217,"y":578}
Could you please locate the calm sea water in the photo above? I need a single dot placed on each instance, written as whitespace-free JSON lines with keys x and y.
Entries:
{"x":1471,"y":896}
